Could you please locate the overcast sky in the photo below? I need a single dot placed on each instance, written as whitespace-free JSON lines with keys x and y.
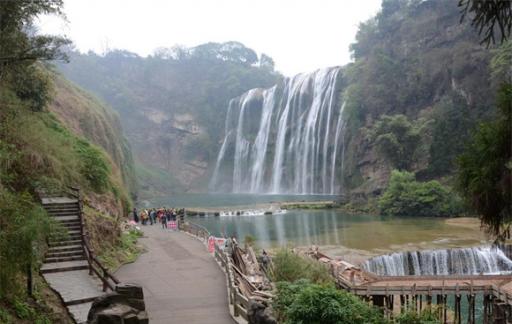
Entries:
{"x":300,"y":35}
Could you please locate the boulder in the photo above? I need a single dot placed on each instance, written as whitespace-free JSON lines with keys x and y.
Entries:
{"x":124,"y":306}
{"x":258,"y":313}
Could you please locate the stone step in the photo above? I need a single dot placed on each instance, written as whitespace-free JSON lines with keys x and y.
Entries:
{"x":58,"y":200}
{"x":64,"y":258}
{"x":64,"y":212}
{"x":69,"y":248}
{"x":61,"y":206}
{"x":64,"y":266}
{"x":64,"y":243}
{"x":80,"y":312}
{"x":60,"y":214}
{"x":60,"y":254}
{"x":67,"y":219}
{"x":67,"y":238}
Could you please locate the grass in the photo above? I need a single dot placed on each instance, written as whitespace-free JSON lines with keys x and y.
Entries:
{"x":291,"y":267}
{"x":125,"y":251}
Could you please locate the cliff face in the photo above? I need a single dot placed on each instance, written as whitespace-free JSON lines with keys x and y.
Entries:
{"x":414,"y":59}
{"x":86,"y":116}
{"x":172,"y":105}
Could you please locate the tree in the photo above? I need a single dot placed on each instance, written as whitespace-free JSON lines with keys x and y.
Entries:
{"x":397,"y":139}
{"x":407,"y":197}
{"x":19,"y":42}
{"x":21,"y":48}
{"x":493,"y":18}
{"x":267,"y":62}
{"x":485,"y":169}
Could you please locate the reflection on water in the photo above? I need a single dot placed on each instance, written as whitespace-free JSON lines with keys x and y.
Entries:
{"x":334,"y":228}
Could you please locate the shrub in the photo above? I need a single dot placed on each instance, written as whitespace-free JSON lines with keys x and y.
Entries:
{"x":411,"y":316}
{"x":94,"y":166}
{"x":22,"y":230}
{"x":406,"y":196}
{"x":304,"y":302}
{"x":291,"y":267}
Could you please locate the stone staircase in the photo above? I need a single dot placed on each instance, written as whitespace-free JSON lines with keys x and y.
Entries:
{"x":65,"y":266}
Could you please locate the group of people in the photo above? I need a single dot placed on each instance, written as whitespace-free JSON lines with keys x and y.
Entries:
{"x":167,"y":217}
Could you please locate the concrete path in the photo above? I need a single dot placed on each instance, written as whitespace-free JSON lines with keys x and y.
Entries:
{"x":182,"y":282}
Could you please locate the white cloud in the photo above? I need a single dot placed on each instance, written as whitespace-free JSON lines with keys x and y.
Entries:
{"x":300,"y":35}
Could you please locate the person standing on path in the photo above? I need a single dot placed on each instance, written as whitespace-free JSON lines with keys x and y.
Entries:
{"x":135,"y":216}
{"x":163,"y":219}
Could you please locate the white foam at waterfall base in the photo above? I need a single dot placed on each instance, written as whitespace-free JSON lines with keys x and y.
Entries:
{"x":467,"y":261}
{"x":252,"y":212}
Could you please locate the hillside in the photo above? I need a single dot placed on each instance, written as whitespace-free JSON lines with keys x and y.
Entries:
{"x":419,"y":85}
{"x":172,"y":104}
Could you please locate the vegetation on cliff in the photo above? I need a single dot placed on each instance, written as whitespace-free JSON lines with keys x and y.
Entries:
{"x":44,"y":146}
{"x":173,"y":103}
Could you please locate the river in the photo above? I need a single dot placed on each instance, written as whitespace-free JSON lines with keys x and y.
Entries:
{"x":355,"y":237}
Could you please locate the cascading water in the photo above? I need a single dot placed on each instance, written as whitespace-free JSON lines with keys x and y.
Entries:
{"x":286,"y":139}
{"x":467,"y":261}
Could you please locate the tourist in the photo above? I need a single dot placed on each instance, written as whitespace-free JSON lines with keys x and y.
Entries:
{"x":163,"y":219}
{"x":152,"y":216}
{"x":135,"y":216}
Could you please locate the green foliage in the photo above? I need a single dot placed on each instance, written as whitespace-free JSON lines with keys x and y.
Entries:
{"x":186,"y":88}
{"x":406,"y":64}
{"x":23,"y":311}
{"x":126,"y":250}
{"x":492,"y":18}
{"x":406,"y":196}
{"x":484,"y":175}
{"x":289,"y":266}
{"x":307,"y":303}
{"x":5,"y":317}
{"x":94,"y":166}
{"x":451,"y":122}
{"x":249,"y":240}
{"x":411,"y":316}
{"x":397,"y":139}
{"x":23,"y":226}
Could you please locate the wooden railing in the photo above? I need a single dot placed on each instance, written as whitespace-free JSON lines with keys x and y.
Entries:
{"x":95,"y":266}
{"x":237,"y":300}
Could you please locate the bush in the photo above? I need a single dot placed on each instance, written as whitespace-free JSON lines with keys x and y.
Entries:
{"x":406,"y":196}
{"x":94,"y":166}
{"x":411,"y":316}
{"x":291,"y":267}
{"x":22,"y":231}
{"x":304,"y":302}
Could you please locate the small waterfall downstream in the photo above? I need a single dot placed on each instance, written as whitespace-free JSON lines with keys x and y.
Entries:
{"x":286,"y":139}
{"x":466,"y":261}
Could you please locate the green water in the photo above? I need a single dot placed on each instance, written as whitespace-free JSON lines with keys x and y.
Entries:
{"x":334,"y":228}
{"x":334,"y":231}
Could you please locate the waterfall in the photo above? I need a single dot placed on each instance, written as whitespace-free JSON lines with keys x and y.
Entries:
{"x":260,"y":144}
{"x":220,"y":157}
{"x":467,"y":261}
{"x":287,"y":138}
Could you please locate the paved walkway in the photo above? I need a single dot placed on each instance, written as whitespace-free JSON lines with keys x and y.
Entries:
{"x":182,"y":282}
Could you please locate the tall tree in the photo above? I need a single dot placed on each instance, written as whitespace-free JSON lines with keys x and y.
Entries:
{"x":492,"y":18}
